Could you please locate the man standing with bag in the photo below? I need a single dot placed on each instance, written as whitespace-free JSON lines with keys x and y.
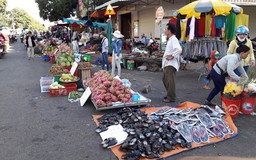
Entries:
{"x":170,"y":63}
{"x":30,"y":42}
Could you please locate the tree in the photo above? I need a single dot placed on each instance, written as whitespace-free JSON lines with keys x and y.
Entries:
{"x":23,"y":20}
{"x":56,"y":9}
{"x":3,"y":5}
{"x":3,"y":17}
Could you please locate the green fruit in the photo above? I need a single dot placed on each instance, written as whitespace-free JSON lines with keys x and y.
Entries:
{"x":67,"y":63}
{"x":70,"y":59}
{"x":63,"y":64}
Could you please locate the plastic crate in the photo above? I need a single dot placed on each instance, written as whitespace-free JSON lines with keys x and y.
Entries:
{"x":63,"y":91}
{"x":45,"y":88}
{"x":46,"y":81}
{"x":46,"y":58}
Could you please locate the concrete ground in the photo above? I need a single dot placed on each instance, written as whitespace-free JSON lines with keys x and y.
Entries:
{"x":35,"y":126}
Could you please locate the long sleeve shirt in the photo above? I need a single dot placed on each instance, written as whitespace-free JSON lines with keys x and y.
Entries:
{"x":117,"y":46}
{"x":232,"y":49}
{"x":228,"y":64}
{"x":174,"y":49}
{"x":104,"y":45}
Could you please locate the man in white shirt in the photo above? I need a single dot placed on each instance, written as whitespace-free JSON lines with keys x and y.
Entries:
{"x":170,"y":63}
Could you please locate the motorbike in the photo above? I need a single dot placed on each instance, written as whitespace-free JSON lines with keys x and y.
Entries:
{"x":1,"y":50}
{"x":152,"y":46}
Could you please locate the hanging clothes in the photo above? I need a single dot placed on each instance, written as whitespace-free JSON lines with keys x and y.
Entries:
{"x":213,"y":29}
{"x":183,"y":25}
{"x":208,"y":21}
{"x":230,"y":27}
{"x":196,"y":28}
{"x":242,"y":19}
{"x":219,"y":21}
{"x":201,"y":27}
{"x":188,"y":27}
{"x":178,"y":29}
{"x":173,"y":20}
{"x":192,"y":29}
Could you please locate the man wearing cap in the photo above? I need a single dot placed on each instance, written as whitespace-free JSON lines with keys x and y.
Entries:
{"x":116,"y":56}
{"x":104,"y":50}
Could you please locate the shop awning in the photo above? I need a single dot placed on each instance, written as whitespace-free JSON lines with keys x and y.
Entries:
{"x":74,"y":23}
{"x":115,"y":2}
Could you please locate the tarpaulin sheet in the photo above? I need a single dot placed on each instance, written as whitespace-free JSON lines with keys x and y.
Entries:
{"x":185,"y":105}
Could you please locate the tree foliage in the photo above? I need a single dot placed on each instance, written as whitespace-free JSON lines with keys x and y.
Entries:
{"x":22,"y":19}
{"x":3,"y":5}
{"x":56,"y":9}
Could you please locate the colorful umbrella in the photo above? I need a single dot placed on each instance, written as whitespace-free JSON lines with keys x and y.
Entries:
{"x":219,"y":7}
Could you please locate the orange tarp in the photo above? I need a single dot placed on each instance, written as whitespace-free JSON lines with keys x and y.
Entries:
{"x":178,"y":149}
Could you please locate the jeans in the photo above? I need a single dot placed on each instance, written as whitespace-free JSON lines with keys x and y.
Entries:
{"x":105,"y":60}
{"x":219,"y":84}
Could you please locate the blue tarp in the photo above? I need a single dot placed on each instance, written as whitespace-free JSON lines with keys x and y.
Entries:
{"x":94,"y":24}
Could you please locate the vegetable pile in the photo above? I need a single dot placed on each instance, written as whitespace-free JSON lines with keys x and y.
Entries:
{"x":106,"y":89}
{"x":57,"y":70}
{"x":75,"y":95}
{"x":84,"y":65}
{"x":65,"y":59}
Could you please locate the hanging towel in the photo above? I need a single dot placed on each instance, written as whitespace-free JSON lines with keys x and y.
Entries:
{"x":220,"y":21}
{"x":242,"y":19}
{"x":213,"y":29}
{"x":201,"y":27}
{"x":183,"y":25}
{"x":230,"y":26}
{"x":208,"y":21}
{"x":192,"y":29}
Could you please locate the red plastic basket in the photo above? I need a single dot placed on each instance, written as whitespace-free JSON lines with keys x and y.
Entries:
{"x":69,"y":87}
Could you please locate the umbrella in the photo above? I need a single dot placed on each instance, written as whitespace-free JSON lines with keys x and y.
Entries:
{"x":219,"y":7}
{"x":109,"y":32}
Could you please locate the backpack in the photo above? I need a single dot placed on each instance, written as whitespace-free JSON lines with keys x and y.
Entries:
{"x":100,"y":45}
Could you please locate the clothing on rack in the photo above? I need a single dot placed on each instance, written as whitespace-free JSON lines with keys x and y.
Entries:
{"x":200,"y":49}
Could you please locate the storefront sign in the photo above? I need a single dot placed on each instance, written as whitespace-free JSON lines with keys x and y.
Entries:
{"x":110,"y":11}
{"x":85,"y":96}
{"x":159,"y":13}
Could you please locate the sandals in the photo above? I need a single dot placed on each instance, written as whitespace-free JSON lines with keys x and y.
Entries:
{"x":196,"y":134}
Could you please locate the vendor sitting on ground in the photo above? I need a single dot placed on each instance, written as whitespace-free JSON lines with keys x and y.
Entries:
{"x":225,"y":68}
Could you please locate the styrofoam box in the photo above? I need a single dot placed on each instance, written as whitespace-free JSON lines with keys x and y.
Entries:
{"x":45,"y":88}
{"x":46,"y":81}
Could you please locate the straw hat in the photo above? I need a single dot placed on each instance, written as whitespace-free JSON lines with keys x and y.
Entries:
{"x":118,"y":34}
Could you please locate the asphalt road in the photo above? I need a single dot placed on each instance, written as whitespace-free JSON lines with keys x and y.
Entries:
{"x":35,"y":126}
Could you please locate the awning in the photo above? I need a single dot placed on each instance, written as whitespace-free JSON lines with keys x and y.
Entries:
{"x":115,"y":2}
{"x":97,"y":13}
{"x":75,"y":23}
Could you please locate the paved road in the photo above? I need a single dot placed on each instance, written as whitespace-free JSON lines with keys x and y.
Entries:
{"x":35,"y":126}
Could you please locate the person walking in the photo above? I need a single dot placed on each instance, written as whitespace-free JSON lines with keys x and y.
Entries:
{"x":30,"y":43}
{"x":225,"y":67}
{"x":116,"y":56}
{"x":170,"y":63}
{"x":104,"y":50}
{"x":242,"y":38}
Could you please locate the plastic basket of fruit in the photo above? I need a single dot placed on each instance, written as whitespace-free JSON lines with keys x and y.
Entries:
{"x":68,"y":78}
{"x":69,"y":87}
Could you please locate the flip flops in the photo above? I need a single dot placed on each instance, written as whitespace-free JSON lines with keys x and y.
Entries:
{"x":108,"y":142}
{"x":204,"y":137}
{"x":196,"y":134}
